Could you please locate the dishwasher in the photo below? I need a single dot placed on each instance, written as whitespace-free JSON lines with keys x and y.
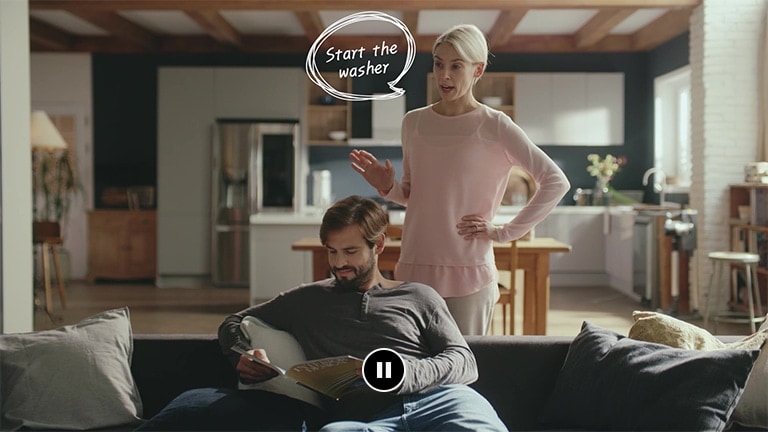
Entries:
{"x":660,"y":270}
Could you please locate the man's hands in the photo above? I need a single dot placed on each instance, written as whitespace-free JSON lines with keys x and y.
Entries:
{"x":251,"y":372}
{"x":381,"y":177}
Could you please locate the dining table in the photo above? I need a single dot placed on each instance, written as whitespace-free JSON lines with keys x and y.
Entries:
{"x":533,"y":258}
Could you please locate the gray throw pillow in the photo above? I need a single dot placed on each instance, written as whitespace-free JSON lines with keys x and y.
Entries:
{"x":74,"y":377}
{"x":611,"y":382}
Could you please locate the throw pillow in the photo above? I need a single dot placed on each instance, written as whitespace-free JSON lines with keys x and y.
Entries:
{"x":74,"y":377}
{"x":284,"y":351}
{"x":752,"y":409}
{"x":611,"y":382}
{"x":664,"y":329}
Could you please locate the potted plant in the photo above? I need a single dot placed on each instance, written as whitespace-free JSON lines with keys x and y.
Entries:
{"x":54,"y":184}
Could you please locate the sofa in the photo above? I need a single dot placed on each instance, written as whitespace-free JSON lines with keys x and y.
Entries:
{"x":595,"y":380}
{"x":518,"y":374}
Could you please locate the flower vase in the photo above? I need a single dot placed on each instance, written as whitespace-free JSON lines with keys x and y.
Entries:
{"x":602,"y":193}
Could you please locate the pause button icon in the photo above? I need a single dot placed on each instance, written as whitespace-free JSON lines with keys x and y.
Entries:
{"x":387,"y":369}
{"x":383,"y":369}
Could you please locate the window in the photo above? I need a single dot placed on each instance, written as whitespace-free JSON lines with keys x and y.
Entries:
{"x":672,"y":135}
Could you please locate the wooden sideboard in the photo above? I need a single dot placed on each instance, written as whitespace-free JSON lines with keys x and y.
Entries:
{"x":122,"y":244}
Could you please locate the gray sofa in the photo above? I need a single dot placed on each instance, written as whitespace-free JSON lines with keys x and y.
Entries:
{"x":517,"y":373}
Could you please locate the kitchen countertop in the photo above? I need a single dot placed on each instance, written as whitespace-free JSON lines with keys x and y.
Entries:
{"x":313,"y":216}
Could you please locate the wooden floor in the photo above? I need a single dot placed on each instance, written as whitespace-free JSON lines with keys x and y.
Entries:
{"x":201,"y":310}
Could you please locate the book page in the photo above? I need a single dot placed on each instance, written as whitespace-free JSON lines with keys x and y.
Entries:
{"x":330,"y":376}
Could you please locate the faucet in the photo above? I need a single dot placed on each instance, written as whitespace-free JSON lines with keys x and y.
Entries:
{"x":658,"y":186}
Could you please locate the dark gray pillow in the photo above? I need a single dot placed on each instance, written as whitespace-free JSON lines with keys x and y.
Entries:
{"x":610,"y":382}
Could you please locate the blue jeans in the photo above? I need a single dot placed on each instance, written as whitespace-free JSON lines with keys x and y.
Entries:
{"x":451,"y":407}
{"x":220,"y":409}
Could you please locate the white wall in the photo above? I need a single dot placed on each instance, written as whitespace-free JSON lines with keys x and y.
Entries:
{"x":724,"y":43}
{"x":16,"y":313}
{"x":61,"y":84}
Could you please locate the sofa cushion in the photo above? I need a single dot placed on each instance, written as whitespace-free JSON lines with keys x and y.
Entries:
{"x":752,"y":408}
{"x":74,"y":377}
{"x":611,"y":382}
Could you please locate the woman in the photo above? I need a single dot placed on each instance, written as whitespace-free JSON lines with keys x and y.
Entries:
{"x":457,"y":154}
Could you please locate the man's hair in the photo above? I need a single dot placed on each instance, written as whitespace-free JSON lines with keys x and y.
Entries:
{"x":366,"y":213}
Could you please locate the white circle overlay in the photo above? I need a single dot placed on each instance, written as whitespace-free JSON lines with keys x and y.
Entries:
{"x":314,"y":74}
{"x":401,"y":378}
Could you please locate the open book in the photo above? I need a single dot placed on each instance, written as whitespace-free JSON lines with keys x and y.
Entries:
{"x":329,"y":376}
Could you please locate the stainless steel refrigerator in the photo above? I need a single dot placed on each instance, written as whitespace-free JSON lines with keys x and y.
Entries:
{"x":255,"y":165}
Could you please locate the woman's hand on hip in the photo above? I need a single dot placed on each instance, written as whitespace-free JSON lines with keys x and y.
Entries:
{"x":381,"y":177}
{"x":475,"y":226}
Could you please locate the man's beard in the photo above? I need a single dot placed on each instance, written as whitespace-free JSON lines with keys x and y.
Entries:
{"x":363,"y":275}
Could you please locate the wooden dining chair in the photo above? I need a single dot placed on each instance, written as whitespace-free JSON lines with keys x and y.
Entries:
{"x":507,"y":294}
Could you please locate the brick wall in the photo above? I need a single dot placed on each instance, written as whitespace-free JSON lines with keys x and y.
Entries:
{"x":724,"y":42}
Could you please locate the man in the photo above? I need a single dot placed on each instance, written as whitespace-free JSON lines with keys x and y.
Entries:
{"x":354,"y":313}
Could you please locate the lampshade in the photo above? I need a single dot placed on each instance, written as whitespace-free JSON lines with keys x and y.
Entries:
{"x":44,"y":134}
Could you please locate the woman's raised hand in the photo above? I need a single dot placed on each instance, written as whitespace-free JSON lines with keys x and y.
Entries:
{"x":381,"y":177}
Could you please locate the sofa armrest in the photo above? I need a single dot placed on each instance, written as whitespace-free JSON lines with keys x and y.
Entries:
{"x":164,"y":366}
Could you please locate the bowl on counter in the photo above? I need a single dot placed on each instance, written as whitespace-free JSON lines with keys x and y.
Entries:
{"x":338,"y":135}
{"x":492,"y":101}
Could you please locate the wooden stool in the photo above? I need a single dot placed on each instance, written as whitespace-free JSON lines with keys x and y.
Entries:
{"x":724,"y":259}
{"x":48,"y":236}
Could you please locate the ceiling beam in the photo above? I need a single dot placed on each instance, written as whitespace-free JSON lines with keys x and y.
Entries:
{"x":216,"y":26}
{"x":119,"y":27}
{"x":316,"y":5}
{"x":46,"y":37}
{"x":411,"y":21}
{"x":600,"y":25}
{"x":300,"y":44}
{"x":662,"y":29}
{"x":504,"y":26}
{"x":311,"y":22}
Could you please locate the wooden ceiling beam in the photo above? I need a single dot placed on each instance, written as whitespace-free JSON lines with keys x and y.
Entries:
{"x":504,"y":26}
{"x":216,"y":26}
{"x":119,"y":27}
{"x":662,"y":29}
{"x":600,"y":25}
{"x":300,"y":44}
{"x":411,"y":20}
{"x":311,"y":22}
{"x":46,"y":37}
{"x":316,"y":5}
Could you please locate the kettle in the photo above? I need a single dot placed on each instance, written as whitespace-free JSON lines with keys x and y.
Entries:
{"x":322,"y":196}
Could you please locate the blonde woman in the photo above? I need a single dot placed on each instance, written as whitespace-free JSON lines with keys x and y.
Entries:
{"x":457,"y":154}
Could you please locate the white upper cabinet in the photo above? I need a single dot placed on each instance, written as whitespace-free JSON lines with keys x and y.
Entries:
{"x":571,"y":108}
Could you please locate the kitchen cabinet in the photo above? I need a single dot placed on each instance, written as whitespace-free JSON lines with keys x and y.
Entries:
{"x":324,"y":113}
{"x":190,"y":99}
{"x":122,"y":244}
{"x":583,"y":230}
{"x":493,"y":84}
{"x":274,"y":266}
{"x":568,"y":108}
{"x":618,"y":251}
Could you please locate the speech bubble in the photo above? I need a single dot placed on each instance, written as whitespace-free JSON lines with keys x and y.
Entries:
{"x":314,"y":74}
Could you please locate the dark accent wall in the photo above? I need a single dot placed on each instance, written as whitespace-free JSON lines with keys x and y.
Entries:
{"x":125,"y":111}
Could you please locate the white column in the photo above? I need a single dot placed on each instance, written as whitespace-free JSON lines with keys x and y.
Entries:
{"x":16,"y":289}
{"x":724,"y":42}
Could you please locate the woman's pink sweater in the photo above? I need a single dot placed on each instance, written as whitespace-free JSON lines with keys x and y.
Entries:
{"x":455,"y":166}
